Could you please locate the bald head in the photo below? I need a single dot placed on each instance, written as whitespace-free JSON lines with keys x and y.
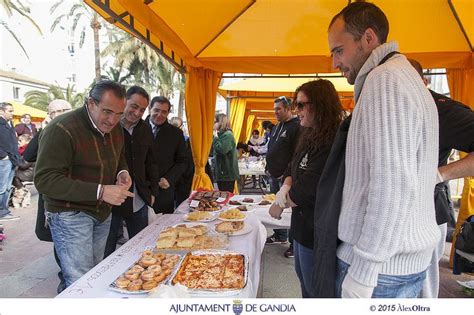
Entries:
{"x":57,"y":107}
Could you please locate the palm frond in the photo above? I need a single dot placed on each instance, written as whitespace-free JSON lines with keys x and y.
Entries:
{"x":5,"y":25}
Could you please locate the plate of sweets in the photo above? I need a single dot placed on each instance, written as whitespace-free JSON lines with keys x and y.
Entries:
{"x":234,"y":228}
{"x":245,"y":200}
{"x":232,"y":215}
{"x":200,"y":216}
{"x":190,"y":236}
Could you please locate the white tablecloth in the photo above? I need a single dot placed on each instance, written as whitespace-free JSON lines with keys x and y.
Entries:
{"x":261,"y":212}
{"x":95,"y":283}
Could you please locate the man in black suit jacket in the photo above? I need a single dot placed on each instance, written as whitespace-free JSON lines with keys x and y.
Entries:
{"x":142,"y":167}
{"x":170,"y":152}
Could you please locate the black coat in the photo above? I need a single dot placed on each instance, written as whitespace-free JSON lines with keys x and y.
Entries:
{"x":170,"y":152}
{"x":306,"y":169}
{"x":8,"y":142}
{"x":326,"y":217}
{"x":142,"y":166}
{"x":456,"y":131}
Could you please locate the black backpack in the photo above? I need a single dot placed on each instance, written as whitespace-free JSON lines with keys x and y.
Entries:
{"x":465,"y":238}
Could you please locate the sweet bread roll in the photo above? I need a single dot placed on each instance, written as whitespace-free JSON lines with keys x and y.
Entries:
{"x":122,"y":282}
{"x":148,"y":285}
{"x":135,"y":285}
{"x":147,"y":275}
{"x":132,"y":275}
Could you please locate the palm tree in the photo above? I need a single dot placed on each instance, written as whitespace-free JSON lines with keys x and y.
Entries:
{"x":17,"y":7}
{"x":145,"y":67}
{"x":76,"y":13}
{"x":40,"y":99}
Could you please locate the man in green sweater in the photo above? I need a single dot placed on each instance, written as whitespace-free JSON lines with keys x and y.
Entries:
{"x":81,"y":171}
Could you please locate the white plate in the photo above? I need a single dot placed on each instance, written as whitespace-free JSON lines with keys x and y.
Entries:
{"x":247,"y":229}
{"x":256,"y":199}
{"x":212,"y":218}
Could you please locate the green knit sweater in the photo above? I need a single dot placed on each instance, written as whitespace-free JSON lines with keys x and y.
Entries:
{"x":73,"y":159}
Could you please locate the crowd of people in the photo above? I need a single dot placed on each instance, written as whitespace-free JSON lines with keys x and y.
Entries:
{"x":364,"y":222}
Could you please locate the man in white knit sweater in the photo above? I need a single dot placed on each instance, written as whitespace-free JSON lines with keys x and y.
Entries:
{"x":387,"y":222}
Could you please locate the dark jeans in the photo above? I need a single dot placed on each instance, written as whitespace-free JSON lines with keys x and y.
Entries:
{"x":275,"y":184}
{"x":226,"y":185}
{"x":135,"y":223}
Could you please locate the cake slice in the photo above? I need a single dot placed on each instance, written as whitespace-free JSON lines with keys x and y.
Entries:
{"x":165,"y":242}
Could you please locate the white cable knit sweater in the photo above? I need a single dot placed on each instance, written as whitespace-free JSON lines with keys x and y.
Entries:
{"x":387,"y":221}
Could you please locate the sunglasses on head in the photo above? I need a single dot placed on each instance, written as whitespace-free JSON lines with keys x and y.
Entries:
{"x":283,"y":99}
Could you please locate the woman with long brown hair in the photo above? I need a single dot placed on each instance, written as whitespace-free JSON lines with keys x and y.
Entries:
{"x":320,"y":113}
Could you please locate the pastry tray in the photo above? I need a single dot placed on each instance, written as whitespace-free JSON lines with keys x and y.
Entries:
{"x":115,"y":288}
{"x":220,"y":292}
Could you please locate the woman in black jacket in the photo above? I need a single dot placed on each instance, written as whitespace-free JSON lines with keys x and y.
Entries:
{"x":320,"y":113}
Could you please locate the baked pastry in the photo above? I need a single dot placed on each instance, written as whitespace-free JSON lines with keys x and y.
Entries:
{"x":148,"y":285}
{"x":171,"y":232}
{"x":165,"y":242}
{"x":264,"y":202}
{"x":229,"y":227}
{"x":147,"y":261}
{"x":232,"y":214}
{"x":155,"y":269}
{"x":247,"y":200}
{"x":132,"y":275}
{"x":135,"y":285}
{"x":188,"y":232}
{"x":122,"y":282}
{"x":186,"y":242}
{"x":234,"y":203}
{"x":147,"y":275}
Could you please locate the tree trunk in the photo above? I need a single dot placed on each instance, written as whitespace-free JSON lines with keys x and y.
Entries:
{"x":95,"y":24}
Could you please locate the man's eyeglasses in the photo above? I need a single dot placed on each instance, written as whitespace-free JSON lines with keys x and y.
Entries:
{"x":107,"y":112}
{"x":301,"y":105}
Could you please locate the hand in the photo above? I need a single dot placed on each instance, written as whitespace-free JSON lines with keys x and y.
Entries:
{"x":352,"y":289}
{"x":275,"y":211}
{"x":123,"y":179}
{"x":115,"y":194}
{"x":164,"y":184}
{"x":280,"y":198}
{"x":152,"y":200}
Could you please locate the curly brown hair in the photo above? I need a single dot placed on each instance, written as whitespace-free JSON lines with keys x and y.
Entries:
{"x":327,"y":112}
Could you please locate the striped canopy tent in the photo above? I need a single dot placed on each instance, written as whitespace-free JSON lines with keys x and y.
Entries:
{"x":204,"y":39}
{"x":251,"y":100}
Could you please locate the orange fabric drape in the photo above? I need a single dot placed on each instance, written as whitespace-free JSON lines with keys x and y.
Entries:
{"x":461,"y":87}
{"x":248,"y":131}
{"x":201,"y":94}
{"x":237,"y":114}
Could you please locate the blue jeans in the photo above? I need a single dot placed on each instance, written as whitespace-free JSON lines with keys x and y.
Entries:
{"x":79,"y":240}
{"x":275,"y":184}
{"x":135,"y":223}
{"x":304,"y":264}
{"x":7,"y":171}
{"x":406,"y":286}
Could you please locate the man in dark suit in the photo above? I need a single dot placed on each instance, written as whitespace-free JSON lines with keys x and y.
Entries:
{"x":170,"y":152}
{"x":142,"y":168}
